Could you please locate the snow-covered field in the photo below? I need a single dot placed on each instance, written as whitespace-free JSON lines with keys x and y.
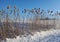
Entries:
{"x":52,"y":35}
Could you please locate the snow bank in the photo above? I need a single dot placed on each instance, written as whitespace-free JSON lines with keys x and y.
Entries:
{"x":43,"y":36}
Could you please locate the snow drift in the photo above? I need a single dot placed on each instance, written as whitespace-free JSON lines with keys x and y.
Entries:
{"x":52,"y":35}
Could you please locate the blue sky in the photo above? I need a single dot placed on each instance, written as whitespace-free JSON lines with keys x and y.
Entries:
{"x":43,"y":4}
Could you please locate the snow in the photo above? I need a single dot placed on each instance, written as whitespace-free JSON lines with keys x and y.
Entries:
{"x":52,"y":35}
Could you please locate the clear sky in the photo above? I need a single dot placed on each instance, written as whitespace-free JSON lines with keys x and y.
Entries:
{"x":43,"y":4}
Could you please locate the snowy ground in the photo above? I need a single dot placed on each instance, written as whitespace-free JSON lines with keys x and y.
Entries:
{"x":43,"y":36}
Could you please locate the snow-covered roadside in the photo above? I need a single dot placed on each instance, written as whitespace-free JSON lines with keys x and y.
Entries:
{"x":43,"y":36}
